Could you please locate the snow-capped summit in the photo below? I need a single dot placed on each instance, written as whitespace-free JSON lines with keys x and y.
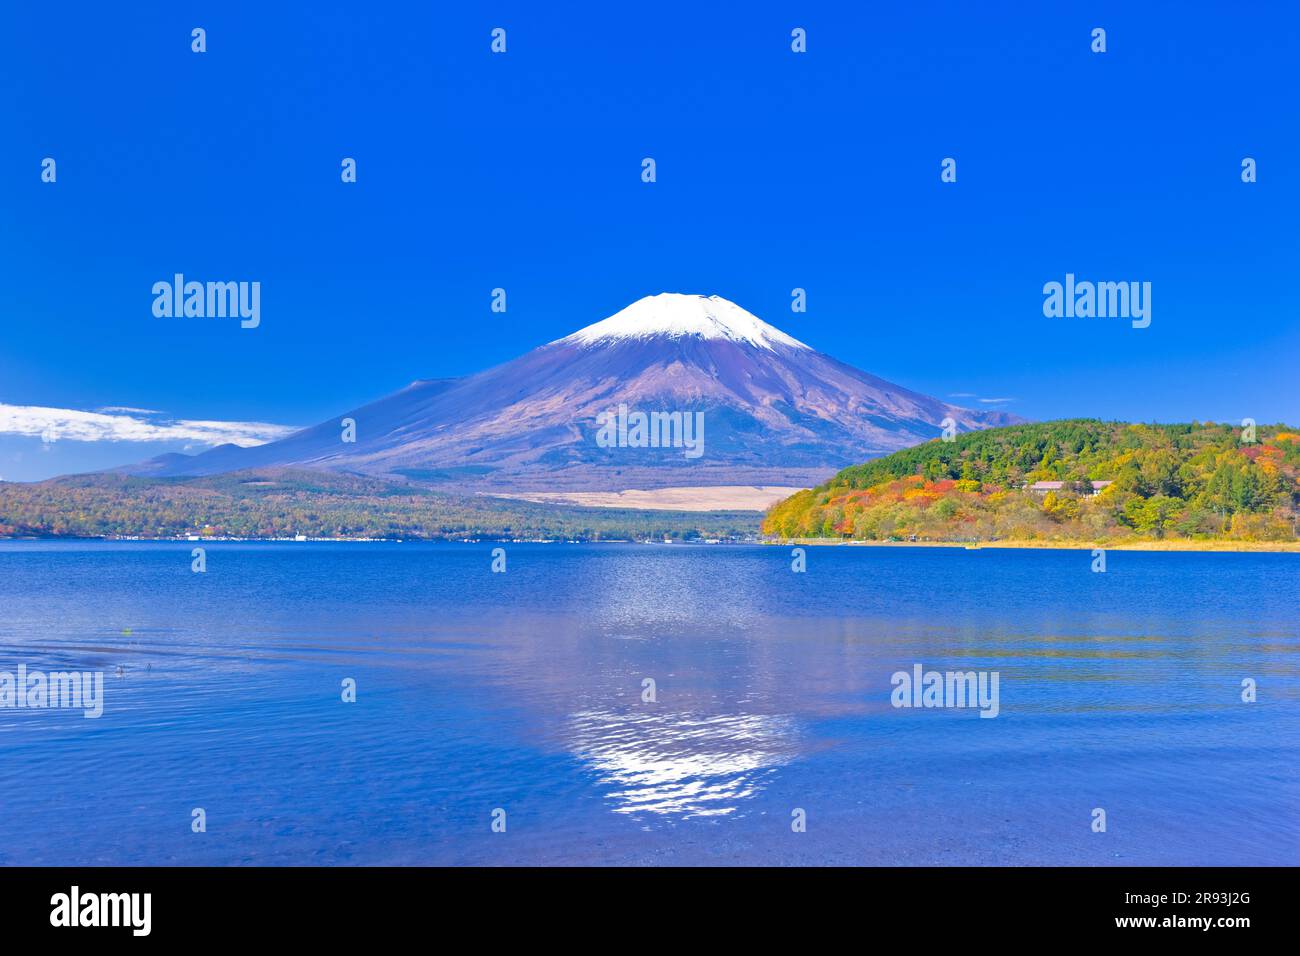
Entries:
{"x":676,"y":315}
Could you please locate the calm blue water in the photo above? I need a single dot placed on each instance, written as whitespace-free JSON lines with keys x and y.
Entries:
{"x":523,"y":691}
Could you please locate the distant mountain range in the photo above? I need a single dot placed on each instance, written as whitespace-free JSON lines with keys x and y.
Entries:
{"x":775,"y":412}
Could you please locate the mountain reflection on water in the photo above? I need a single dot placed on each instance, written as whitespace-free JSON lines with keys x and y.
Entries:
{"x":684,"y":764}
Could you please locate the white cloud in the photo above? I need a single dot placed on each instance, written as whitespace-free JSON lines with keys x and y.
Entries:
{"x":982,"y":401}
{"x":67,"y":424}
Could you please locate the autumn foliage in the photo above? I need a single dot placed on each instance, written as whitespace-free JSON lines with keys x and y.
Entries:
{"x":1198,"y":481}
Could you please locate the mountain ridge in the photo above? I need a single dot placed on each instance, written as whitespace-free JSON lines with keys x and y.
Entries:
{"x":777,"y":411}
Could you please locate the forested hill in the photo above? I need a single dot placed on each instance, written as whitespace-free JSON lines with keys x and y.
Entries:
{"x":1165,"y":481}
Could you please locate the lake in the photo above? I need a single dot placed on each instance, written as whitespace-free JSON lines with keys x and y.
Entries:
{"x":769,"y":734}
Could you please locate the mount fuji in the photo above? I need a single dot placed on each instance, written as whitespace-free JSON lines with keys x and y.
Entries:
{"x":775,"y":411}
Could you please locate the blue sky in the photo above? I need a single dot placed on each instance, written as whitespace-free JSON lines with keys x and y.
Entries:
{"x":775,"y":170}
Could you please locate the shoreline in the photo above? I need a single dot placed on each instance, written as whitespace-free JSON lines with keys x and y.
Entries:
{"x":1277,"y":547}
{"x":1206,"y":546}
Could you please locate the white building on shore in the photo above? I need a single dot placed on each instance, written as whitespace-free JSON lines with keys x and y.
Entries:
{"x":1043,"y":487}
